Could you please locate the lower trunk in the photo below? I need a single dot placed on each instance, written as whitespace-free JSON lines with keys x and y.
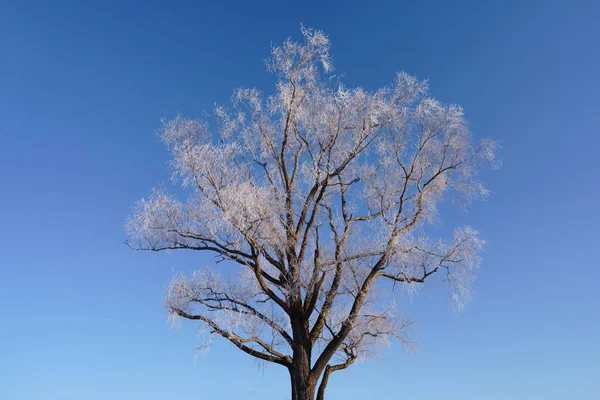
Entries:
{"x":302,"y":386}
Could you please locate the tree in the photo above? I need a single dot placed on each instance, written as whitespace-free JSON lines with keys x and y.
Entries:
{"x":320,"y":195}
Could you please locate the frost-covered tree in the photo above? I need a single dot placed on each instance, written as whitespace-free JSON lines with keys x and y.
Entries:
{"x":320,"y":195}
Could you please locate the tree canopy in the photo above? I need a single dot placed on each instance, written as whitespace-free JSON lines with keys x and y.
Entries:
{"x":319,"y":194}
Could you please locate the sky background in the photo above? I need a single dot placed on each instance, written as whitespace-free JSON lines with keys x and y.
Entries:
{"x":82,"y":92}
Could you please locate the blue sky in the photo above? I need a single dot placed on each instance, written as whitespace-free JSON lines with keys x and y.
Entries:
{"x":82,"y":91}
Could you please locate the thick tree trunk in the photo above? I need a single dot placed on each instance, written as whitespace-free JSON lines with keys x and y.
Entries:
{"x":303,"y":385}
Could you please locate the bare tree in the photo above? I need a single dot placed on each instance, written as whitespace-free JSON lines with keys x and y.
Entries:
{"x":319,"y":194}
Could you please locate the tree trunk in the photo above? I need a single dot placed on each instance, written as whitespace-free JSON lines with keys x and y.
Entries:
{"x":303,"y":386}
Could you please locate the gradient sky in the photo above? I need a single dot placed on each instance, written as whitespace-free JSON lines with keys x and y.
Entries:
{"x":82,"y":91}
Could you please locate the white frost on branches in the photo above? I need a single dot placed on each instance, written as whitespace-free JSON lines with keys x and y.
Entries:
{"x":318,"y":193}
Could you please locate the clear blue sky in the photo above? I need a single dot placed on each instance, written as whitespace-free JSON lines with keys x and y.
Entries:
{"x":82,"y":91}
